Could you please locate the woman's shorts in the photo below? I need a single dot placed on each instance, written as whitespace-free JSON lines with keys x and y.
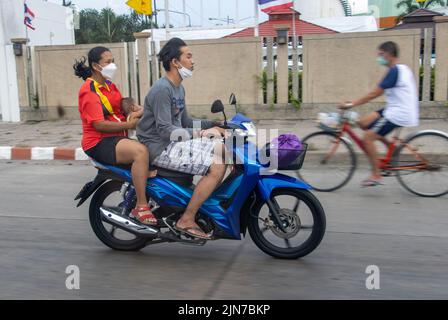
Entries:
{"x":104,"y":152}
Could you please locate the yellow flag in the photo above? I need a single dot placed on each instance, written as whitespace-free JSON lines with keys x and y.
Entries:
{"x":147,"y":7}
{"x":141,"y":6}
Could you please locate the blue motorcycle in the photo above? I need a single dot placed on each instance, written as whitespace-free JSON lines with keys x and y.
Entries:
{"x":284,"y":219}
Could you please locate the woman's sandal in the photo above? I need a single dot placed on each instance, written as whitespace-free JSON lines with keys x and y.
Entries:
{"x":147,"y":218}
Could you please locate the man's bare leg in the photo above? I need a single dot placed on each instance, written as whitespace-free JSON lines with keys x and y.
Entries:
{"x":369,"y":143}
{"x":366,"y":120}
{"x":202,"y":191}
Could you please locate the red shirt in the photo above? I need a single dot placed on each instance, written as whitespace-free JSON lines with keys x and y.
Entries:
{"x":91,"y":110}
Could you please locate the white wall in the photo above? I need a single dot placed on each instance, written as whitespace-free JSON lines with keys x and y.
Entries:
{"x":54,"y":26}
{"x":312,"y":9}
{"x":359,"y":6}
{"x":53,"y":23}
{"x":319,"y":8}
{"x":9,"y":100}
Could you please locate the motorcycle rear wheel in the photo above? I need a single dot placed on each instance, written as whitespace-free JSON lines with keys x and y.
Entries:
{"x":107,"y":236}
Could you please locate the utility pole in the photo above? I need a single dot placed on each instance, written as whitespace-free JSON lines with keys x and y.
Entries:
{"x":257,"y":18}
{"x":155,"y":12}
{"x":202,"y":13}
{"x":184,"y":9}
{"x":237,"y":14}
{"x":167,"y":17}
{"x":108,"y":22}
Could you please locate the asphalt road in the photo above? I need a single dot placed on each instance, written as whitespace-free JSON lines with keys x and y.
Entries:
{"x":41,"y":233}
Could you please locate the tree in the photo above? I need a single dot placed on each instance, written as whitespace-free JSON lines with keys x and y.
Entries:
{"x":106,"y":27}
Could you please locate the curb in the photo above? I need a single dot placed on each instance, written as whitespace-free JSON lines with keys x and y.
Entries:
{"x":39,"y":153}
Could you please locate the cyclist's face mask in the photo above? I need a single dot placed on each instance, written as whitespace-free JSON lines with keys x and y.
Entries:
{"x":381,"y":60}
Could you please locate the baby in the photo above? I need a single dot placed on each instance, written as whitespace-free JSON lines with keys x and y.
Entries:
{"x":130,"y":107}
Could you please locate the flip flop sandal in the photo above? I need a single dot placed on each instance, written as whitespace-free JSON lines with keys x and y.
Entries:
{"x":194,"y":235}
{"x":152,"y":173}
{"x":148,"y":218}
{"x":371,"y":183}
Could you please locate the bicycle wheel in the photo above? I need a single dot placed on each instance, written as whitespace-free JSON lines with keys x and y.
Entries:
{"x":329,"y":163}
{"x":422,"y":161}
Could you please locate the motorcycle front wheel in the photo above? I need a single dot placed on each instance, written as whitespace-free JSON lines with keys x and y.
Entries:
{"x":303,"y":219}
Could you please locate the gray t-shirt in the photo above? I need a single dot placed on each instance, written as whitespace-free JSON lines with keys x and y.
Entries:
{"x":164,"y":113}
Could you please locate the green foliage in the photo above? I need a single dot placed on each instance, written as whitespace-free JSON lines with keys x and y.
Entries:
{"x":433,"y":83}
{"x":263,"y":82}
{"x":106,"y":27}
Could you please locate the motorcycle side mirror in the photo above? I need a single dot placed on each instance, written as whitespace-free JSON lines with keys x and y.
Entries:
{"x":217,"y":106}
{"x":232,"y":100}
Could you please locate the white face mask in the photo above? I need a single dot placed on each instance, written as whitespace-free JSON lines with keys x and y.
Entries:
{"x":108,"y":71}
{"x":185,"y":73}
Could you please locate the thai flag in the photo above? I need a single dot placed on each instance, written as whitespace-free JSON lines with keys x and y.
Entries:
{"x":29,"y":16}
{"x":271,"y":5}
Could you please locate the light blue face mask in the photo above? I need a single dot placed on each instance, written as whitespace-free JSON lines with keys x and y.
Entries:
{"x":381,"y":61}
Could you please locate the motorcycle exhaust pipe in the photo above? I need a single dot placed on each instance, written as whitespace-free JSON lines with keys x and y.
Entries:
{"x":127,"y":224}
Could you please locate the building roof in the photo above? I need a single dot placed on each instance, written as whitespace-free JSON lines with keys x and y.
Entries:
{"x":423,"y":13}
{"x":418,"y":19}
{"x":283,"y":17}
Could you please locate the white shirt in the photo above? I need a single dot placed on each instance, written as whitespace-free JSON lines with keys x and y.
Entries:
{"x":402,"y":101}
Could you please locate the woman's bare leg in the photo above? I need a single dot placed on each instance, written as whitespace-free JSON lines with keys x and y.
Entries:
{"x":129,"y":151}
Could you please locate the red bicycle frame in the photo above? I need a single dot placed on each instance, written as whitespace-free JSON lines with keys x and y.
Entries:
{"x":384,"y":162}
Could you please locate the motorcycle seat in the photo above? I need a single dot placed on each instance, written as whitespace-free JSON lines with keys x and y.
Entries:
{"x":180,"y":178}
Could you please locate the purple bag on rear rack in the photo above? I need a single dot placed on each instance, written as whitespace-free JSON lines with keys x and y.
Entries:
{"x":285,"y":149}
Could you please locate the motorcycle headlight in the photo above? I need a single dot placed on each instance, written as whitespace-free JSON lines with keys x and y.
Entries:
{"x":251,"y":129}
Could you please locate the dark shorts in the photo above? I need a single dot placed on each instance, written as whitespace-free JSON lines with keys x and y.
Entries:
{"x":104,"y":151}
{"x":382,"y":126}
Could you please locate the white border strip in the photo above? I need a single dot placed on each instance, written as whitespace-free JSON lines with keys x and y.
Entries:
{"x":5,"y":153}
{"x":80,"y":155}
{"x":42,"y":153}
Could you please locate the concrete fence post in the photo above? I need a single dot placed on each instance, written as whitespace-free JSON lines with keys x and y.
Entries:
{"x":270,"y":70}
{"x":295,"y":69}
{"x":132,"y":62}
{"x":441,"y":80}
{"x":143,"y":63}
{"x":426,"y":92}
{"x":282,"y":69}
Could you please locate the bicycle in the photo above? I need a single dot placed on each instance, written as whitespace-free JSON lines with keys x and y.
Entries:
{"x":411,"y":157}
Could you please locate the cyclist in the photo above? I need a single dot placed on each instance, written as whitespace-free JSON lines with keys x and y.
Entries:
{"x":401,"y":110}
